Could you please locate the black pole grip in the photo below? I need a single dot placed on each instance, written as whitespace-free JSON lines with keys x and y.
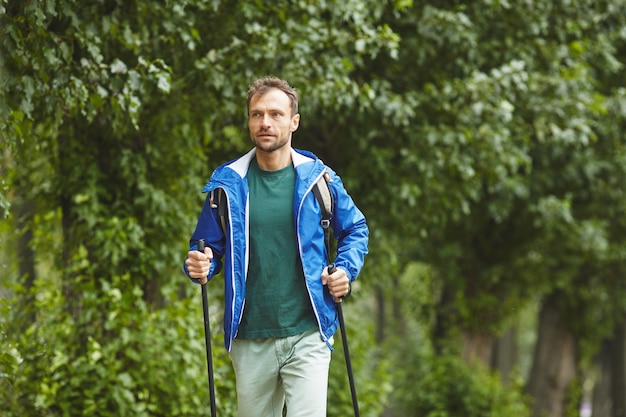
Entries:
{"x":201,"y":245}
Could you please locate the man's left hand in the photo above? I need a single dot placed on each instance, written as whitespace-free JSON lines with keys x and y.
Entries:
{"x":338,"y":283}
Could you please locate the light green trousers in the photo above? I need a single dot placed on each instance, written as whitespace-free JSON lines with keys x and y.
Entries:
{"x":290,"y":372}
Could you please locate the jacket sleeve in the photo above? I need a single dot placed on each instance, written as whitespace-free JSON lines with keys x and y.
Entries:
{"x":209,"y":229}
{"x":350,"y":229}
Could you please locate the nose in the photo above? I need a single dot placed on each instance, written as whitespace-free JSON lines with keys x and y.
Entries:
{"x":265,"y":120}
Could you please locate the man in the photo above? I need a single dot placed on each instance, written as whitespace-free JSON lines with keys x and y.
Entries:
{"x":280,"y":312}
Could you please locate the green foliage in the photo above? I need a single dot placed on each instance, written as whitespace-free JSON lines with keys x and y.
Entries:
{"x":8,"y":355}
{"x":483,"y":140}
{"x":451,"y":388}
{"x":373,"y":381}
{"x":496,"y":140}
{"x":573,"y":399}
{"x":425,"y":383}
{"x":448,"y":387}
{"x":130,"y":102}
{"x":137,"y":363}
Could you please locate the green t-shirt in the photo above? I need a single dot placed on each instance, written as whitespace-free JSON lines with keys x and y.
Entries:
{"x":277,"y":301}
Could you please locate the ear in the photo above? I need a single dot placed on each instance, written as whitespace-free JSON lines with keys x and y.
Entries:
{"x":295,"y":122}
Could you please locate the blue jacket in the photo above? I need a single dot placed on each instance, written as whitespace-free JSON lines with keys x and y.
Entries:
{"x":231,"y":251}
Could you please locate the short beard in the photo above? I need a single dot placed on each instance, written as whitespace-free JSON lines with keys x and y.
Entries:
{"x":271,"y":147}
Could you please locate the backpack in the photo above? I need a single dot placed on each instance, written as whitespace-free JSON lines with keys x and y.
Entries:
{"x":321,"y":190}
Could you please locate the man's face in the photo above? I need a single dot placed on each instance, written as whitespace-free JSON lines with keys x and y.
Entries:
{"x":270,"y":121}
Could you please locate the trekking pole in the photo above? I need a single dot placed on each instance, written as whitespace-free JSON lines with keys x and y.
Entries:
{"x":207,"y":337}
{"x":331,"y":269}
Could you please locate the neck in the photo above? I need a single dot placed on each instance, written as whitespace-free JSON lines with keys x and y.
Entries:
{"x":273,"y":161}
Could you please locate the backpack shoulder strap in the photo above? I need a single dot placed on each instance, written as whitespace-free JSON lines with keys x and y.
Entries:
{"x":321,"y":189}
{"x":218,"y":200}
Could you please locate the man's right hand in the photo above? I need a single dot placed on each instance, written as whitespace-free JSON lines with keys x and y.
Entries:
{"x":199,"y":264}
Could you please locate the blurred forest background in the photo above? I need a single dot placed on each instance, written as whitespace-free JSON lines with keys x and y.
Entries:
{"x":484,"y":140}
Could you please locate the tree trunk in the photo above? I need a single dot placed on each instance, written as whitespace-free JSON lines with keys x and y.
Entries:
{"x":477,"y":347}
{"x":397,"y":301}
{"x":70,"y":240}
{"x":380,"y":319}
{"x":609,"y":392}
{"x":554,"y":365}
{"x":24,"y":213}
{"x":445,"y":326}
{"x":504,"y":355}
{"x":601,"y":402}
{"x":618,"y":371}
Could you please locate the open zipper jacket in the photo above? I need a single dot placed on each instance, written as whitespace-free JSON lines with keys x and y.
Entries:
{"x":231,"y":249}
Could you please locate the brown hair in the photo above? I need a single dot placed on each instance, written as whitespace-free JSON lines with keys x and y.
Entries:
{"x":264,"y":84}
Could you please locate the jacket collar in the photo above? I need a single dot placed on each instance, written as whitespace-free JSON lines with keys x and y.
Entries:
{"x":241,"y":165}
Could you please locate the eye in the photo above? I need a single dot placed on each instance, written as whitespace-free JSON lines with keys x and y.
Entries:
{"x":276,"y":115}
